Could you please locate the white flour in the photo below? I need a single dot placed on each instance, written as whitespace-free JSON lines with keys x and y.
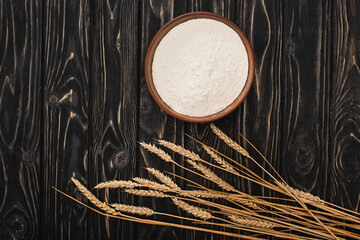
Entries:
{"x":200,"y":67}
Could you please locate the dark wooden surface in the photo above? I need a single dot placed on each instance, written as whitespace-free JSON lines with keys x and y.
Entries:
{"x":73,"y":102}
{"x":65,"y":82}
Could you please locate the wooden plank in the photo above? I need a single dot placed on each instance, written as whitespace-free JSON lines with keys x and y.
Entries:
{"x":259,"y":116}
{"x":114,"y":107}
{"x":306,"y":95}
{"x":20,"y":117}
{"x":65,"y":131}
{"x":225,"y":8}
{"x":203,"y":132}
{"x":344,"y":179}
{"x":153,"y":122}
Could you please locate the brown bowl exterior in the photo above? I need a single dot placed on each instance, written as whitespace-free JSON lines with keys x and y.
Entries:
{"x":150,"y":55}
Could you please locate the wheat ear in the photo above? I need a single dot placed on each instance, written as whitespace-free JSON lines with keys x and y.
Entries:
{"x":246,"y":203}
{"x":94,"y":200}
{"x":212,"y":176}
{"x":302,"y":194}
{"x":146,"y":193}
{"x":161,"y":153}
{"x":252,"y":223}
{"x":151,"y":184}
{"x":132,"y":209}
{"x":180,"y":150}
{"x":163,"y":178}
{"x":197,"y":212}
{"x":234,"y":145}
{"x":117,"y":184}
{"x":219,"y":160}
{"x":200,"y":194}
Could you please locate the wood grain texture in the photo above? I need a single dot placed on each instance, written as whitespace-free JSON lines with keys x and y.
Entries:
{"x":65,"y":145}
{"x":345,"y":166}
{"x":153,"y":122}
{"x":73,"y":102}
{"x":306,"y":95}
{"x":259,"y":116}
{"x":20,"y":117}
{"x":114,"y":106}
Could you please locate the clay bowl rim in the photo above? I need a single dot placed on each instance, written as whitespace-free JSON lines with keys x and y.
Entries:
{"x":150,"y":55}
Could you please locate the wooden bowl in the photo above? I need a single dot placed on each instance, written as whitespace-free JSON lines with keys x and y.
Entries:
{"x":150,"y":55}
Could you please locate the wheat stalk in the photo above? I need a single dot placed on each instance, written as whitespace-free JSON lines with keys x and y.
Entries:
{"x":251,"y":222}
{"x":94,"y":200}
{"x":163,"y":178}
{"x":117,"y":184}
{"x":161,"y":153}
{"x":161,"y":223}
{"x":151,"y":184}
{"x":132,"y":209}
{"x":197,"y":212}
{"x":146,"y":193}
{"x":287,"y":217}
{"x":219,"y":160}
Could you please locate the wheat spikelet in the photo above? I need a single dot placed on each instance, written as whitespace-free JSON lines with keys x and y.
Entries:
{"x":219,"y":160}
{"x":163,"y":178}
{"x":200,"y":194}
{"x":132,"y":209}
{"x":94,"y":200}
{"x":146,"y":193}
{"x":302,"y":194}
{"x":251,"y":222}
{"x":234,"y":145}
{"x":151,"y":184}
{"x":197,"y":212}
{"x":212,"y":176}
{"x":117,"y":184}
{"x":180,"y":150}
{"x":161,"y":153}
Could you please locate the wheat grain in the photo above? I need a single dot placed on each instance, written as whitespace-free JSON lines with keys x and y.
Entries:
{"x":302,"y":194}
{"x":251,"y":222}
{"x":151,"y":184}
{"x":94,"y":200}
{"x":212,"y":176}
{"x":180,"y":150}
{"x":219,"y":159}
{"x":197,"y":212}
{"x":132,"y":209}
{"x":146,"y":193}
{"x":117,"y":184}
{"x":234,"y":145}
{"x":163,"y":178}
{"x":161,"y":153}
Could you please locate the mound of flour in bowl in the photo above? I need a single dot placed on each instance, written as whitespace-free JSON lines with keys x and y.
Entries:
{"x":200,"y":67}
